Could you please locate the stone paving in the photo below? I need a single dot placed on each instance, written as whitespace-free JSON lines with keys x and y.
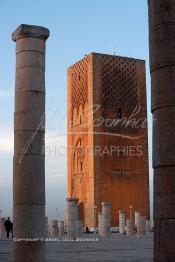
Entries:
{"x":117,"y":248}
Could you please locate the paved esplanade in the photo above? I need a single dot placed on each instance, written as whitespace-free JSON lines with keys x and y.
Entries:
{"x":162,"y":68}
{"x":29,"y":131}
{"x":116,"y":248}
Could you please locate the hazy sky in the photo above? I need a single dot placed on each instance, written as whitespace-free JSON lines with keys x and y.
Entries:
{"x":77,"y":27}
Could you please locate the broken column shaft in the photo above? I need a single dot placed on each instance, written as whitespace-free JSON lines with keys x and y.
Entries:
{"x":122,"y":219}
{"x":129,"y":227}
{"x":72,"y":217}
{"x":137,"y":217}
{"x":55,"y":231}
{"x":61,"y":228}
{"x":106,"y":219}
{"x":99,"y":223}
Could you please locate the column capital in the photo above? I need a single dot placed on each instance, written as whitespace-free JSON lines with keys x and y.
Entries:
{"x":30,"y":31}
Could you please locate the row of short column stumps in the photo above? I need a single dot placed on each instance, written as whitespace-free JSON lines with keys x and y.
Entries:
{"x":140,"y":226}
{"x":74,"y":227}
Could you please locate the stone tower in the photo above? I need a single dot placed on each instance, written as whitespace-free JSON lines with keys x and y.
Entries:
{"x":107,"y":136}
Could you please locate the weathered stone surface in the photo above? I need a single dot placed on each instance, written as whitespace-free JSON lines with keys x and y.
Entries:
{"x":54,"y":228}
{"x":28,"y":175}
{"x":160,"y":12}
{"x":161,"y":37}
{"x":35,"y":80}
{"x":29,"y":220}
{"x":79,"y":228}
{"x":30,"y":120}
{"x":163,"y":142}
{"x":122,"y":221}
{"x":61,"y":228}
{"x":46,"y":227}
{"x":29,"y":169}
{"x":100,"y":223}
{"x":129,"y":227}
{"x":2,"y":228}
{"x":162,"y":63}
{"x":164,"y":192}
{"x":72,"y":217}
{"x":141,"y":226}
{"x":137,"y":217}
{"x":99,"y":86}
{"x":33,"y":44}
{"x":33,"y":31}
{"x":28,"y":164}
{"x":148,"y":228}
{"x":29,"y":142}
{"x":106,"y":219}
{"x":163,"y":85}
{"x":37,"y":101}
{"x":27,"y":251}
{"x":164,"y":240}
{"x":30,"y":59}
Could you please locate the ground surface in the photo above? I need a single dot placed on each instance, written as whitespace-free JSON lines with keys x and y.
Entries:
{"x":118,"y":248}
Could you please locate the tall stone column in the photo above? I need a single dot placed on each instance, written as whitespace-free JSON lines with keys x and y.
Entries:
{"x":122,"y":219}
{"x":106,"y":219}
{"x":162,"y":68}
{"x":29,"y":131}
{"x":72,"y":217}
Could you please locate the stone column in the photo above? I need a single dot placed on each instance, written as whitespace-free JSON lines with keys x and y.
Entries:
{"x":129,"y":227}
{"x":29,"y":130}
{"x":100,"y":223}
{"x":162,"y":68}
{"x":79,"y":228}
{"x":122,"y":218}
{"x":49,"y":230}
{"x":46,"y":226}
{"x":72,"y":217}
{"x":148,"y":229}
{"x":61,"y":228}
{"x":106,"y":219}
{"x":137,"y":217}
{"x":141,"y":226}
{"x":54,"y":226}
{"x":2,"y":228}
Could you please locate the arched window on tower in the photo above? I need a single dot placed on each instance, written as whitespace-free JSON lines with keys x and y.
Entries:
{"x":81,"y":166}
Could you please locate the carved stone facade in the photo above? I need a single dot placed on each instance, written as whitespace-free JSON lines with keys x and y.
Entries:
{"x":107,"y":136}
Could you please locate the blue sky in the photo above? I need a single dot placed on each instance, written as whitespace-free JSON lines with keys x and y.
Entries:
{"x":76,"y":28}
